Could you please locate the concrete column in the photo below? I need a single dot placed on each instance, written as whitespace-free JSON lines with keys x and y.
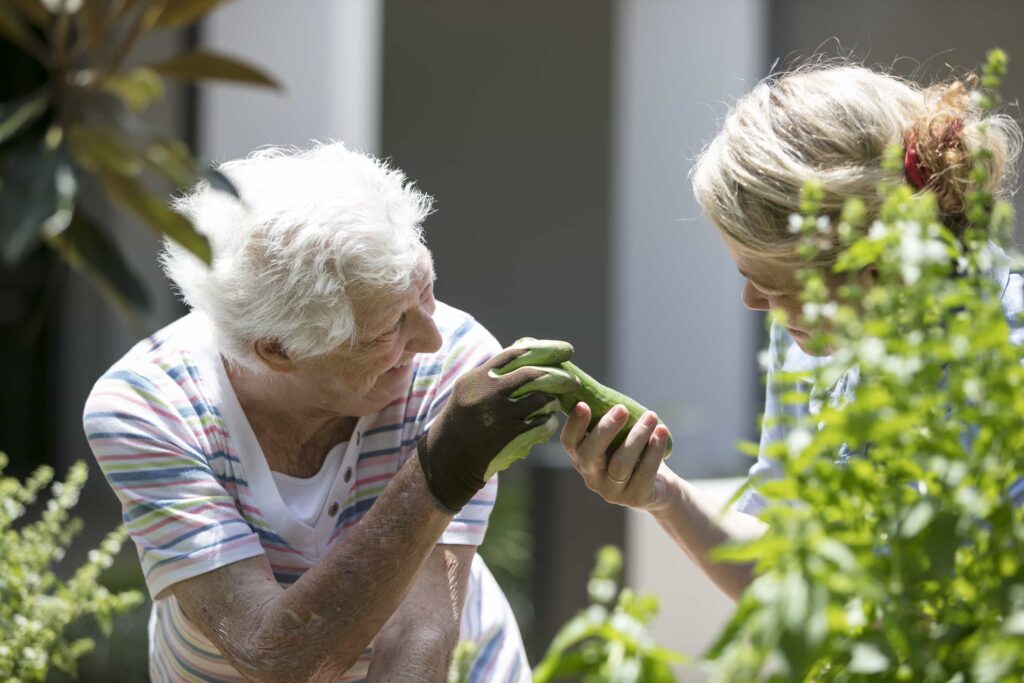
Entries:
{"x":681,"y":342}
{"x":327,"y":55}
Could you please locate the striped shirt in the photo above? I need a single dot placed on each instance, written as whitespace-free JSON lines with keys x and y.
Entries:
{"x":197,"y":493}
{"x":785,"y":356}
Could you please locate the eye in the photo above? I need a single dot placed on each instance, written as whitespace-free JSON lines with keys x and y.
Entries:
{"x":397,"y":326}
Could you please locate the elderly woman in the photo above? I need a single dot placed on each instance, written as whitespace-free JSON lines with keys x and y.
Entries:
{"x":830,"y":124}
{"x":294,"y":518}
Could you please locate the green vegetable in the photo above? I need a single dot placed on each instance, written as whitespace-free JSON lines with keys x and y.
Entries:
{"x":600,"y":398}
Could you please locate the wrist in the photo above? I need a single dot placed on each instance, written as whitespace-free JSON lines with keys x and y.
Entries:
{"x":417,"y":473}
{"x":669,"y":489}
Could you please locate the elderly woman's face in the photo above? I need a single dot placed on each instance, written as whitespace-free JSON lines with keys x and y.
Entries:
{"x":393,"y":327}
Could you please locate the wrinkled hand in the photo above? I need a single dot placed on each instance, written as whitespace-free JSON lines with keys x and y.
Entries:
{"x":634,"y":474}
{"x":490,"y":421}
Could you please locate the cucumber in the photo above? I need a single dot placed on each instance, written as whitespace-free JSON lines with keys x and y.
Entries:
{"x":548,"y":353}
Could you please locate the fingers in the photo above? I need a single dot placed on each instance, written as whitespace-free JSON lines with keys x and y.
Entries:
{"x":575,"y":428}
{"x":647,"y":470}
{"x":623,"y":461}
{"x":553,"y":381}
{"x":531,"y":352}
{"x":535,"y":404}
{"x":496,"y":365}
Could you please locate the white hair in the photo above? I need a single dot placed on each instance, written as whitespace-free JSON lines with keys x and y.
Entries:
{"x":313,"y":228}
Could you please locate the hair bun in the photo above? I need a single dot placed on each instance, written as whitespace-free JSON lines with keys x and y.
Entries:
{"x":946,"y":139}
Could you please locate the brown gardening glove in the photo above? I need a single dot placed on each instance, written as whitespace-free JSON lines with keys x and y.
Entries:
{"x":482,"y":423}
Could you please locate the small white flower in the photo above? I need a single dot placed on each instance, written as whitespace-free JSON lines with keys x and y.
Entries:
{"x":915,"y":337}
{"x":972,"y":388}
{"x":829,"y":310}
{"x":812,"y":311}
{"x":872,"y":351}
{"x":796,"y":223}
{"x":878,"y":231}
{"x":822,"y":224}
{"x":764,"y":359}
{"x":959,"y":345}
{"x":798,"y":440}
{"x":911,"y":273}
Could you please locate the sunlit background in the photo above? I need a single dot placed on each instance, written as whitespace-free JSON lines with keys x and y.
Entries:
{"x":556,"y":137}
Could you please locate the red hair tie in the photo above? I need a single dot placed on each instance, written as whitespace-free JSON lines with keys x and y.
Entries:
{"x":918,"y":174}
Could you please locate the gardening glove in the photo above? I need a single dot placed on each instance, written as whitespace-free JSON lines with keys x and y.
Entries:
{"x":601,"y":399}
{"x":490,"y":421}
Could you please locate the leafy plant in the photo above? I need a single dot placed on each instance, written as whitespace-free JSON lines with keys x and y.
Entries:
{"x":82,"y":128}
{"x":35,"y":605}
{"x":608,"y":642}
{"x":905,"y":561}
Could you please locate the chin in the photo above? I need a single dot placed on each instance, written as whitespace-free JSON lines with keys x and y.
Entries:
{"x":817,"y":352}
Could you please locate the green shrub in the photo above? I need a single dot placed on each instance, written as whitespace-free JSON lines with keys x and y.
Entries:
{"x":906,"y":561}
{"x":35,"y":605}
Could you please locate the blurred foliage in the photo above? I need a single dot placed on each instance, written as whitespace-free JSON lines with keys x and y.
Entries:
{"x":605,"y":643}
{"x":84,"y":124}
{"x":36,"y":607}
{"x":608,"y":641}
{"x":904,"y":561}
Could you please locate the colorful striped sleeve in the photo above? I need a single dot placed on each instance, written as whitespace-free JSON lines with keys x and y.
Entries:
{"x":469,"y":346}
{"x":181,"y":518}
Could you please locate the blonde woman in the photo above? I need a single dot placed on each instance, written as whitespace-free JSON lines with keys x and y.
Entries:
{"x":831,"y":124}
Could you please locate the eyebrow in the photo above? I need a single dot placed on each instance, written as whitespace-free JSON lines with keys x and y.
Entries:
{"x":764,"y":290}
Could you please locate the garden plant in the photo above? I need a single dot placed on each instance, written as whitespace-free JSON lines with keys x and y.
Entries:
{"x":82,"y":128}
{"x":902,"y":562}
{"x":36,"y":606}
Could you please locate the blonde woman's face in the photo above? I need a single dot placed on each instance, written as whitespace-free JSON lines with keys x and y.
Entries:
{"x":773,"y":286}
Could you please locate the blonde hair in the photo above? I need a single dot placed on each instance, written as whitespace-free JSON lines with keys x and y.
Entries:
{"x":833,"y":123}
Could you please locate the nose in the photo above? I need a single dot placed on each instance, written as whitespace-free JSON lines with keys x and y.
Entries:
{"x":425,"y":337}
{"x":752,"y":298}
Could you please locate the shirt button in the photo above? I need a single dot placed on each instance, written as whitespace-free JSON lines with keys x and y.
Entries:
{"x":348,"y":474}
{"x":332,"y":510}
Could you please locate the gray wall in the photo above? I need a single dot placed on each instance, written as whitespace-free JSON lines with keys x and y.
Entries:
{"x":502,"y":111}
{"x":682,"y":342}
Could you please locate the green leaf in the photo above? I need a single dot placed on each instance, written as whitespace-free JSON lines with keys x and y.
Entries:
{"x":219,"y":181}
{"x":183,"y":12}
{"x":138,"y":87}
{"x":102,"y":148}
{"x":35,"y":12}
{"x":89,"y":250}
{"x":13,"y":28}
{"x":19,"y":114}
{"x":173,"y":160}
{"x":155,"y":213}
{"x":36,"y":196}
{"x":204,"y":65}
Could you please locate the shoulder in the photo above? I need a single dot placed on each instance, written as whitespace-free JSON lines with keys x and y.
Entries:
{"x":462,"y":333}
{"x":157,"y":373}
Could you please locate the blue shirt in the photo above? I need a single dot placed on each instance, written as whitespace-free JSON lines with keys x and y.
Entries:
{"x":785,"y":356}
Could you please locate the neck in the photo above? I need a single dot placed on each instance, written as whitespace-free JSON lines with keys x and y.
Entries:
{"x":294,"y":432}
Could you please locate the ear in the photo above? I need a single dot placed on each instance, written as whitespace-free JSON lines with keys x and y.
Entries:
{"x":271,"y":353}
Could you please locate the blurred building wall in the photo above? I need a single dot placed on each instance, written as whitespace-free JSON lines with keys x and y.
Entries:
{"x":502,"y":111}
{"x":681,"y":343}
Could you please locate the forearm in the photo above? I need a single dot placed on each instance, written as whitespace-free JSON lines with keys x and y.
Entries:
{"x":698,"y":527}
{"x":417,"y":642}
{"x":416,"y":655}
{"x":337,"y":607}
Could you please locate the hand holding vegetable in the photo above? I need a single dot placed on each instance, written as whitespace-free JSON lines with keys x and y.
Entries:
{"x":489,"y":422}
{"x":599,"y":398}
